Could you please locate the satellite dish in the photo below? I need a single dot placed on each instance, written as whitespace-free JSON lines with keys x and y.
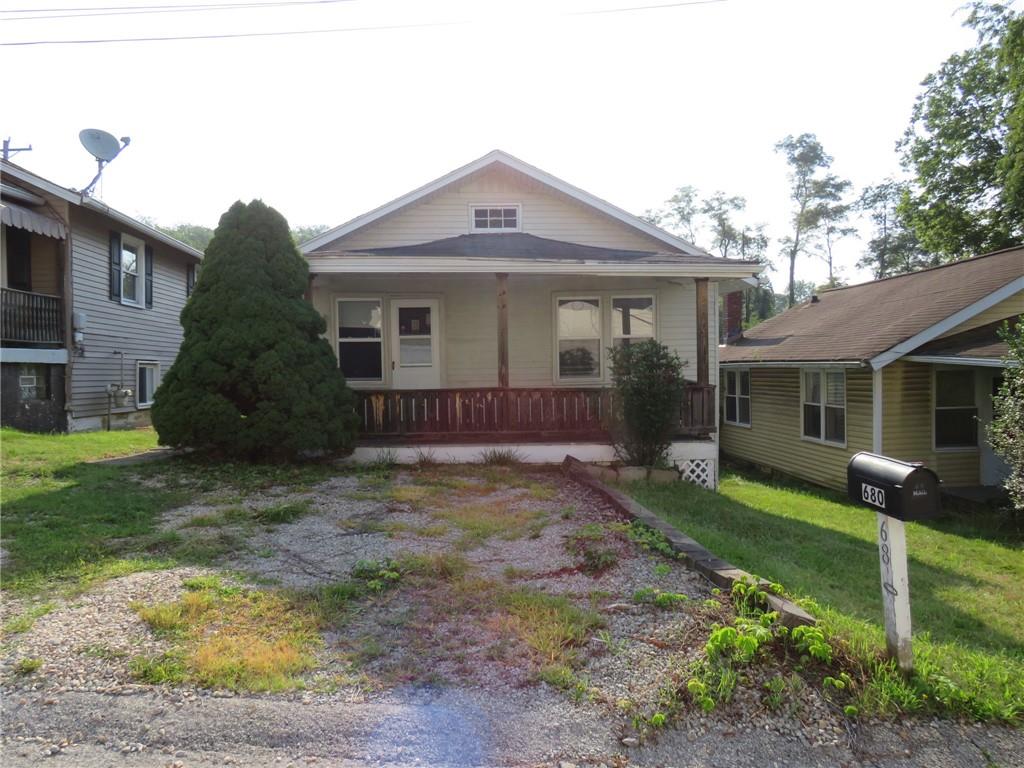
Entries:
{"x":104,"y":147}
{"x":100,"y":144}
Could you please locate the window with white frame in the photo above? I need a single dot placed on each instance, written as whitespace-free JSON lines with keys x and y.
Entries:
{"x":737,"y":396}
{"x":579,"y":337}
{"x":632,"y":319}
{"x":133,"y":253}
{"x":360,"y":341}
{"x":956,"y":412}
{"x":33,"y":381}
{"x":495,"y":218}
{"x":147,"y":374}
{"x":824,"y":405}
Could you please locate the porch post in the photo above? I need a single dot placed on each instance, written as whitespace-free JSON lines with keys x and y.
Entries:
{"x":702,"y":330}
{"x":502,"y":329}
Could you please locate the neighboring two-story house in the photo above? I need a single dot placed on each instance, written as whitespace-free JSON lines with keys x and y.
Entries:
{"x":91,"y":300}
{"x":478,"y":310}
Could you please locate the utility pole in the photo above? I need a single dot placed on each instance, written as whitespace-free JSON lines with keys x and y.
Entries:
{"x":9,"y":150}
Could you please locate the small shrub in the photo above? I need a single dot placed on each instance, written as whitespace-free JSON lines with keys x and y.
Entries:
{"x":648,"y":381}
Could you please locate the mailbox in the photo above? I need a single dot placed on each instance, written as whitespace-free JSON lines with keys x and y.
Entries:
{"x":900,"y":489}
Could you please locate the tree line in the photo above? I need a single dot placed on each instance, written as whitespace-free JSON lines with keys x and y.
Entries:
{"x":961,"y":193}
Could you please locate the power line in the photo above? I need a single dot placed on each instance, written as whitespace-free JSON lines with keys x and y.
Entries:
{"x":245,"y":3}
{"x":146,"y":10}
{"x":334,"y":30}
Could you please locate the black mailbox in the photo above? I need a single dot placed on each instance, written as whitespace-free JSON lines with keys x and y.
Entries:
{"x":898,"y":488}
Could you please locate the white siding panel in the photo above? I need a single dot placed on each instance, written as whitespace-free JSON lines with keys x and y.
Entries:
{"x":469,"y":356}
{"x":140,"y":333}
{"x":545,"y":213}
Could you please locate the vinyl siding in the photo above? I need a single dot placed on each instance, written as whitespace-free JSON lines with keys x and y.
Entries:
{"x":544,"y":213}
{"x":142,"y":334}
{"x":907,"y":423}
{"x":1014,"y":305}
{"x":470,"y":326}
{"x":773,"y":438}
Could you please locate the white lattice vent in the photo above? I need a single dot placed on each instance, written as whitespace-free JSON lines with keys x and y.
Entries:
{"x":698,"y":471}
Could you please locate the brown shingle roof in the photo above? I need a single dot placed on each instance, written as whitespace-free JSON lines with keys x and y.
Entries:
{"x":861,"y":321}
{"x":982,"y":341}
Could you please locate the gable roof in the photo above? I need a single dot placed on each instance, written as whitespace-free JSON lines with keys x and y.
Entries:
{"x":520,"y":245}
{"x":880,"y":321}
{"x":982,"y":342}
{"x":77,"y":198}
{"x":491,"y":158}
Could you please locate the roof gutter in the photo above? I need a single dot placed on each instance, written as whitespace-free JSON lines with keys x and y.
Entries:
{"x":794,"y":364}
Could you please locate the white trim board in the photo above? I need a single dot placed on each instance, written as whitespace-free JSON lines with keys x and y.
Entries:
{"x":985,"y":362}
{"x":497,"y":156}
{"x":791,"y":363}
{"x":26,"y":355}
{"x":362,"y":264}
{"x":933,"y":332}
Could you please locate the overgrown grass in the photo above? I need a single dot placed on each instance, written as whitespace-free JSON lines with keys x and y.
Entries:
{"x":479,"y":522}
{"x":231,"y":638}
{"x":966,"y":580}
{"x":551,"y":625}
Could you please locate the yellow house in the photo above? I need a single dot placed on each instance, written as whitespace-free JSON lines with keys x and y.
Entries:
{"x":476,"y":312}
{"x":905,"y":366}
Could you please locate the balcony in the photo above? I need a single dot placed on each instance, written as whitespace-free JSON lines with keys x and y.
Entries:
{"x":31,"y":319}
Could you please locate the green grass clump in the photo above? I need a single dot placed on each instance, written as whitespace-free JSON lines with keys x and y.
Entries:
{"x":280,"y":514}
{"x":966,"y":573}
{"x":25,"y":621}
{"x":551,"y":625}
{"x":27,"y":666}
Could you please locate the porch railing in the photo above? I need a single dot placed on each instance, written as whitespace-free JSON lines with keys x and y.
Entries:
{"x":542,"y":412}
{"x":36,"y":318}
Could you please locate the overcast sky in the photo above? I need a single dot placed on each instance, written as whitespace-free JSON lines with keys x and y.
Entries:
{"x":627,"y":104}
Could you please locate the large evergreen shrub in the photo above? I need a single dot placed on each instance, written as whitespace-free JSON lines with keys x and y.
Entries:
{"x":648,"y":382}
{"x":254,"y":378}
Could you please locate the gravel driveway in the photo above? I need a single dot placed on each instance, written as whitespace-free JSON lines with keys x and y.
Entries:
{"x":442,"y":685}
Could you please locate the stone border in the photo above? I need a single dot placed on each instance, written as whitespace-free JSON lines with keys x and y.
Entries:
{"x":696,"y":557}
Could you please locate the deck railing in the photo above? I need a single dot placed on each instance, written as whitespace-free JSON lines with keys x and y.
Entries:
{"x":36,"y":318}
{"x":539,"y":412}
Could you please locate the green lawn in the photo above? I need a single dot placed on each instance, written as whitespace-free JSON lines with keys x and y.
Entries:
{"x":69,"y":521}
{"x":966,"y":577}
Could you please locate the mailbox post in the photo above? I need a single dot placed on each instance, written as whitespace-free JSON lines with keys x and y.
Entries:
{"x":897,"y":491}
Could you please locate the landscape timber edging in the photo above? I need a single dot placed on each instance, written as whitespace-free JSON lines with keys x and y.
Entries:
{"x":696,"y":557}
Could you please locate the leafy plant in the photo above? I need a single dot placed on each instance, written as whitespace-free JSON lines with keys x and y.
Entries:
{"x":648,"y":381}
{"x":27,"y":666}
{"x":1005,"y":432}
{"x":588,"y":544}
{"x":650,"y":539}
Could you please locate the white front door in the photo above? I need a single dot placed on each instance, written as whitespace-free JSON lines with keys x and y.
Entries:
{"x":994,"y":469}
{"x":415,"y":356}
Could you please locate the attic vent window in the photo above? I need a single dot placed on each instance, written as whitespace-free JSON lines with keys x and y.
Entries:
{"x":495,"y":218}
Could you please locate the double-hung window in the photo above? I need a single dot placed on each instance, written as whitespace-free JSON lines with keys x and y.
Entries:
{"x":737,"y":396}
{"x":632,"y":319}
{"x":494,"y":218}
{"x":360,"y":343}
{"x":146,"y":377}
{"x":824,"y":406}
{"x":132,"y":255}
{"x":579,"y":337}
{"x":956,"y":412}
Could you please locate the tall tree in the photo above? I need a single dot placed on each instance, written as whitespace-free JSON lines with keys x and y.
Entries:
{"x":759,"y":302}
{"x":304,"y":233}
{"x":893,"y":248}
{"x":1006,"y":432}
{"x":805,"y":157}
{"x":965,"y":140}
{"x":254,"y":377}
{"x":682,"y":211}
{"x":718,"y":209}
{"x":833,"y":214}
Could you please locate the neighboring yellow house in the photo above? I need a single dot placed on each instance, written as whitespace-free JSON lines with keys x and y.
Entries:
{"x":905,"y":366}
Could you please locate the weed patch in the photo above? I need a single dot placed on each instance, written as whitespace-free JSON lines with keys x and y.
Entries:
{"x":479,"y":522}
{"x":549,"y":624}
{"x":25,"y":621}
{"x":590,"y":546}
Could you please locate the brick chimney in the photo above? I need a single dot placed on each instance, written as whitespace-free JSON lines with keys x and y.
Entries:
{"x":733,"y":316}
